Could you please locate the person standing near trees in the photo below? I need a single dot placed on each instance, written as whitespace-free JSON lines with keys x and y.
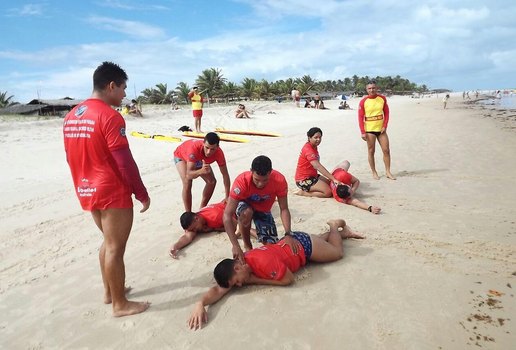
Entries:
{"x":373,"y":117}
{"x":196,"y":99}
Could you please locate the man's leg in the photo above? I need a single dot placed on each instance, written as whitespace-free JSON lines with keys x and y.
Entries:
{"x":102,"y":254}
{"x":371,"y":143}
{"x":187,"y":185}
{"x":342,"y":165}
{"x":321,"y":189}
{"x":198,"y":124}
{"x":328,"y":246}
{"x":245,"y":217}
{"x":383,"y":140}
{"x":116,"y":226}
{"x":209,"y":187}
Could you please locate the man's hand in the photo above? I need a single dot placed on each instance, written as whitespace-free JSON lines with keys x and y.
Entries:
{"x":238,"y":254}
{"x":198,"y":317}
{"x":382,"y":131}
{"x":364,"y":137}
{"x":146,"y":206}
{"x":291,"y":241}
{"x":206,"y":168}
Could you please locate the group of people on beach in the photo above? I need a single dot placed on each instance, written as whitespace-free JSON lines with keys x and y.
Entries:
{"x":105,"y":176}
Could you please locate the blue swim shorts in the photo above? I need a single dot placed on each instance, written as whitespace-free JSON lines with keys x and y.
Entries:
{"x":264,"y":223}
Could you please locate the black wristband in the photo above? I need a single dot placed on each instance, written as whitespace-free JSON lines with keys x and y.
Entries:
{"x":288,"y":233}
{"x":370,"y":207}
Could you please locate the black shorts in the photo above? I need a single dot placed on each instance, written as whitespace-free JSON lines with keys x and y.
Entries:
{"x":306,"y":184}
{"x":375,"y":133}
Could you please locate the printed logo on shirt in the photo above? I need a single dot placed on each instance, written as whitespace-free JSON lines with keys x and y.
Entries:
{"x":79,"y":112}
{"x":257,"y":198}
{"x":236,"y":190}
{"x":122,"y":131}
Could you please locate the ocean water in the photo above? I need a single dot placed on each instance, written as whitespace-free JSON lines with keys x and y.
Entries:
{"x":506,"y":102}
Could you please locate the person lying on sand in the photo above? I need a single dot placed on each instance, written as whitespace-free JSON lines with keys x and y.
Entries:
{"x":273,"y":264}
{"x":349,"y":184}
{"x":207,"y":219}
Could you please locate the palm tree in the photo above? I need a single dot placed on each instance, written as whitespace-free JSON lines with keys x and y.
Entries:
{"x":182,"y":90}
{"x":249,"y":88}
{"x":265,"y":89}
{"x":158,"y":95}
{"x":229,"y":90}
{"x":6,"y":101}
{"x":305,"y":84}
{"x":210,"y":81}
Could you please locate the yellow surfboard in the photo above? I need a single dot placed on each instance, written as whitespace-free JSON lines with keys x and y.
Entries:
{"x":247,"y":132}
{"x":157,"y":137}
{"x":201,"y":135}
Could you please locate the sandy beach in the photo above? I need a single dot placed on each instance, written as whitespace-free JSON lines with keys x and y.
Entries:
{"x":437,"y":270}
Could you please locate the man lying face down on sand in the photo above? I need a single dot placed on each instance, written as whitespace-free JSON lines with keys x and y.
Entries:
{"x":272,"y":264}
{"x":207,"y":219}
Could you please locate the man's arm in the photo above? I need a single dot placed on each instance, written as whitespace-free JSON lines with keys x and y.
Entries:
{"x":354,"y":185}
{"x":287,"y":279}
{"x":320,"y":168}
{"x":225,"y":179}
{"x":385,"y":114}
{"x":287,"y":222}
{"x":199,"y":314}
{"x":230,"y":226}
{"x":359,"y":204}
{"x":192,"y":173}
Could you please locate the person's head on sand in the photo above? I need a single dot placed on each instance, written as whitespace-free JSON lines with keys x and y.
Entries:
{"x":343,"y":191}
{"x":191,"y":221}
{"x":109,"y":83}
{"x":211,"y":143}
{"x":261,"y":168}
{"x":229,"y":273}
{"x":314,"y":136}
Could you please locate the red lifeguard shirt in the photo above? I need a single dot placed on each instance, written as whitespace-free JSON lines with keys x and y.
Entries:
{"x":192,"y":151}
{"x":344,"y":177}
{"x":272,"y":260}
{"x":91,"y":131}
{"x":213,"y":214}
{"x":260,"y":199}
{"x":304,"y":168}
{"x":373,"y":114}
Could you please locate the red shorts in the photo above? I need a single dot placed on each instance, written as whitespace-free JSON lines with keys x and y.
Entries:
{"x":197,"y":113}
{"x":104,"y":201}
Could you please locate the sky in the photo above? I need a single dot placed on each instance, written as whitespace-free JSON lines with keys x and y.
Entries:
{"x":49,"y":49}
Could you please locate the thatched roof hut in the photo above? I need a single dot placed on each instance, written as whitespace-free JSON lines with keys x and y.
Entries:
{"x":43,"y":107}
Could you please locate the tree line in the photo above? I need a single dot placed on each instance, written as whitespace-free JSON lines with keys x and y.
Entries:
{"x":213,"y":84}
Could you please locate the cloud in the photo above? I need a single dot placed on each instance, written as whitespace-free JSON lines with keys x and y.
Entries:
{"x":27,"y":10}
{"x":130,"y":28}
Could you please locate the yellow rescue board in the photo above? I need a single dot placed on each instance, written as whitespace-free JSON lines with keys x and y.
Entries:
{"x":155,"y":137}
{"x":247,"y":132}
{"x":200,"y":135}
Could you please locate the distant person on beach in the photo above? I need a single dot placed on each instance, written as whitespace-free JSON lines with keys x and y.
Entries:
{"x":134,"y":108}
{"x":241,"y":112}
{"x":344,"y":193}
{"x":193,"y":159}
{"x":273,"y":264}
{"x":207,"y":219}
{"x":317,"y":100}
{"x":344,"y":105}
{"x":196,"y":99}
{"x":251,"y":198}
{"x":296,"y":96}
{"x":105,"y":176}
{"x":445,"y":100}
{"x":307,"y":177}
{"x":308,"y":102}
{"x":373,"y":117}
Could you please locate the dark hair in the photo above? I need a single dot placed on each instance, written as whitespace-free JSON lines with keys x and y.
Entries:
{"x":212,"y":138}
{"x":134,"y":101}
{"x":186,"y":219}
{"x":261,"y":165}
{"x":106,"y":73}
{"x":313,"y":131}
{"x":371,"y":82}
{"x":223,"y":272}
{"x":343,"y":191}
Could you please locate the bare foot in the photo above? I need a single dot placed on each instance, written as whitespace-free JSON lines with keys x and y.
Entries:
{"x":299,"y":192}
{"x":131,"y":308}
{"x":174,"y":253}
{"x":390,"y":176}
{"x":375,"y":176}
{"x":347,"y":233}
{"x":107,"y":296}
{"x":336,"y":223}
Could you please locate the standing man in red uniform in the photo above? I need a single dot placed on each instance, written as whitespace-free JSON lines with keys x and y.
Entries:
{"x":196,"y":99}
{"x":193,"y":159}
{"x":373,"y":117}
{"x":105,"y":176}
{"x":251,"y":198}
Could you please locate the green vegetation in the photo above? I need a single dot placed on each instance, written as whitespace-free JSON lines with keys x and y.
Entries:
{"x":213,"y":84}
{"x":6,"y":101}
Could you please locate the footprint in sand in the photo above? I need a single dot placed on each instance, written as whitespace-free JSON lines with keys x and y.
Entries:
{"x":127,"y":325}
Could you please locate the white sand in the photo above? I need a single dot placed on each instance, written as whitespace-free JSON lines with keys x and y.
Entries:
{"x":446,"y":236}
